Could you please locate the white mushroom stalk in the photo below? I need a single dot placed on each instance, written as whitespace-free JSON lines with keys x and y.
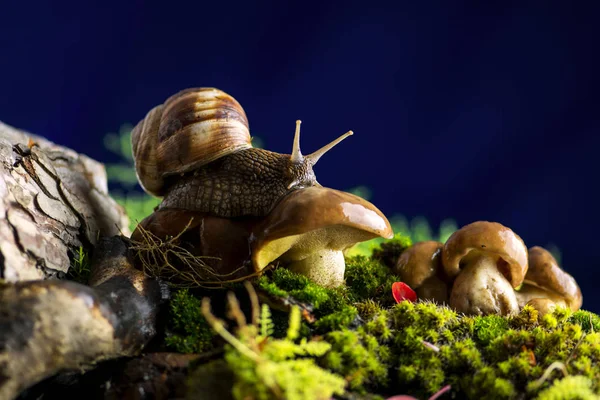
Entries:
{"x":481,"y":289}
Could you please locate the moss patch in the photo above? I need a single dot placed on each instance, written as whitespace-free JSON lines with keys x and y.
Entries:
{"x":380,"y":348}
{"x":188,"y":330}
{"x":266,"y":368}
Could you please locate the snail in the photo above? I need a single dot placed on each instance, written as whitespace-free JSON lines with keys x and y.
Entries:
{"x":195,"y":151}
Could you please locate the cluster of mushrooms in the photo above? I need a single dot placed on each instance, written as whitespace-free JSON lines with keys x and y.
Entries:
{"x":485,"y":268}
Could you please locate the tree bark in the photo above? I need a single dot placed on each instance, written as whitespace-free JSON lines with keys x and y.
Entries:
{"x":52,"y":201}
{"x":56,"y":325}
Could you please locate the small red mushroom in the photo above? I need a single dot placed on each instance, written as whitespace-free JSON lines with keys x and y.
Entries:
{"x":401,"y":291}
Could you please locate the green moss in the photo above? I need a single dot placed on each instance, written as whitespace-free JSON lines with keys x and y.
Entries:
{"x":489,"y":327}
{"x":570,"y":387}
{"x":359,"y":357}
{"x":526,"y":319}
{"x":369,"y":279}
{"x":590,"y":322}
{"x":264,"y":368}
{"x":283,"y":283}
{"x":379,"y":347}
{"x":368,"y":308}
{"x":189,"y":332}
{"x":344,"y":318}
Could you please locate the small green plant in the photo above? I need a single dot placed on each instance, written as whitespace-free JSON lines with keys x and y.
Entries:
{"x":79,"y":270}
{"x":265,"y":368}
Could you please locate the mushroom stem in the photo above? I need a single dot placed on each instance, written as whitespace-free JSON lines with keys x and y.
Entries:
{"x":314,"y":157}
{"x":325,"y":267}
{"x":481,"y":289}
{"x":296,"y":154}
{"x":55,"y":325}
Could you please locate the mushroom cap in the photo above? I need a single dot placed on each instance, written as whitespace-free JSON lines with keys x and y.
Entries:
{"x":312,"y":219}
{"x":491,"y":239}
{"x":419,"y":262}
{"x":420,"y":267}
{"x":545,"y":273}
{"x":222,"y":242}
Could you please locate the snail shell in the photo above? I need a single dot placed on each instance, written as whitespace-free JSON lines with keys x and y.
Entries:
{"x":191,"y":129}
{"x":195,"y":151}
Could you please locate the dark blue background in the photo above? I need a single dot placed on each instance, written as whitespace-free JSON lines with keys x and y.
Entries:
{"x":464,"y":110}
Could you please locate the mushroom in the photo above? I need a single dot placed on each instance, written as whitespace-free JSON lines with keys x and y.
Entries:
{"x":488,"y":261}
{"x":546,"y":280}
{"x":201,"y":247}
{"x":309,"y":229}
{"x":543,"y":306}
{"x":420,"y":267}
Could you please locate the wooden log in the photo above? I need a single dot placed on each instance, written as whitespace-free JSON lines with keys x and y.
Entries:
{"x":55,"y":325}
{"x":52,"y":201}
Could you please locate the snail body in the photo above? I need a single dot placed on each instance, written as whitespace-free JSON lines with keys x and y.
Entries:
{"x":195,"y":151}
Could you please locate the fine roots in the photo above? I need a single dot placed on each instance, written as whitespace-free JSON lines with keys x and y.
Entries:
{"x":169,"y":261}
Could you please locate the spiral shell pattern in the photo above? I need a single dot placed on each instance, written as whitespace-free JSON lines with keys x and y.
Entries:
{"x":191,"y":129}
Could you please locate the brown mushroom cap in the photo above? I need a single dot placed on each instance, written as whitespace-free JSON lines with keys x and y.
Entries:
{"x":489,"y":238}
{"x":418,"y":263}
{"x":419,"y":267}
{"x":222,"y":243}
{"x":545,"y":276}
{"x":315,"y":224}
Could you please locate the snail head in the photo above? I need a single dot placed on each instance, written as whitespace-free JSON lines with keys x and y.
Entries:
{"x":300,"y":169}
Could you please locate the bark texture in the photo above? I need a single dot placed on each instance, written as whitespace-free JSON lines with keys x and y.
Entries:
{"x":54,"y":325}
{"x":52,"y":201}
